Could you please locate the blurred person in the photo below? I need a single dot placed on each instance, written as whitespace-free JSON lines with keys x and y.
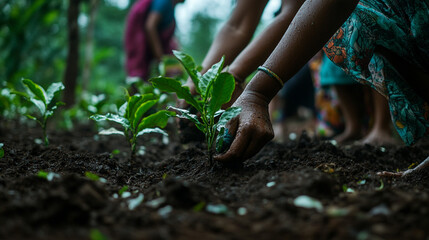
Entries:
{"x":361,"y":108}
{"x":149,"y":35}
{"x":380,"y":43}
{"x":294,"y":110}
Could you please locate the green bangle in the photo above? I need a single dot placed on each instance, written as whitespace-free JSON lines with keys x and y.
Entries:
{"x":271,"y":74}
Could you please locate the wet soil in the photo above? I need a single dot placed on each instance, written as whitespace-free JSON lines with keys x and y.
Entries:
{"x":184,"y":197}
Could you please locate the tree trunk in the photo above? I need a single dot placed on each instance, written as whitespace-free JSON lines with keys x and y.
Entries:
{"x":89,"y":45}
{"x":72,"y":67}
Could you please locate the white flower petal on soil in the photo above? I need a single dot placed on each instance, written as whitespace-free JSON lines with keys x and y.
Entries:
{"x":135,"y":202}
{"x":165,"y":211}
{"x":271,"y":184}
{"x":217,"y":208}
{"x":308,"y":202}
{"x":126,"y":194}
{"x":242,"y":211}
{"x":156,"y":202}
{"x":381,"y":209}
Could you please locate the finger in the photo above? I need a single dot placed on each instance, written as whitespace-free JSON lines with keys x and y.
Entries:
{"x":255,"y":146}
{"x":236,"y":151}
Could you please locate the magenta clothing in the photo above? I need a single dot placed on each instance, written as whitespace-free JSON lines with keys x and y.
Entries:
{"x":137,"y":48}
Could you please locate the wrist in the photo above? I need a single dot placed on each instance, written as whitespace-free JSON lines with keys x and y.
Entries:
{"x":264,"y":85}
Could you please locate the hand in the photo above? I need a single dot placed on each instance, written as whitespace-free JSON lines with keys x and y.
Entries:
{"x":252,"y":128}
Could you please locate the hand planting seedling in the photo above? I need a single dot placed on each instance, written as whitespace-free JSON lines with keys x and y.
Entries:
{"x":131,"y":117}
{"x":214,"y":88}
{"x":42,"y":100}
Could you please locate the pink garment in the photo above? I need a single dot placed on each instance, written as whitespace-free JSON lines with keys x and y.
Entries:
{"x":137,"y":48}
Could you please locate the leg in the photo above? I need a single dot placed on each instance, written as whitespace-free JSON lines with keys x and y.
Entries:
{"x":380,"y":133}
{"x":350,"y":104}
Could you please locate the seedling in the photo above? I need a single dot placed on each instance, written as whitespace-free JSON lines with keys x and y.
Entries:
{"x":95,"y":177}
{"x":214,"y":88}
{"x":42,"y":99}
{"x":131,"y":118}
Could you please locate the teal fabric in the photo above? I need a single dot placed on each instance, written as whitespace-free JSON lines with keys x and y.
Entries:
{"x":331,"y":74}
{"x":401,"y":26}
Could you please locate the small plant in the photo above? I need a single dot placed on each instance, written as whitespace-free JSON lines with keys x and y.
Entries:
{"x":42,"y":99}
{"x":214,"y":88}
{"x":131,"y":117}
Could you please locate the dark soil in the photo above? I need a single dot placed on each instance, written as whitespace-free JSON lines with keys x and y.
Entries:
{"x":186,"y":198}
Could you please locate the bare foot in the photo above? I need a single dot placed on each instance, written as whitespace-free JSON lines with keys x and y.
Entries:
{"x":379,"y":138}
{"x":347,"y":137}
{"x":423,"y":165}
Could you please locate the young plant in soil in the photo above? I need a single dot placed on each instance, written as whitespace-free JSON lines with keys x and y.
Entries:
{"x":131,"y":117}
{"x":42,"y":99}
{"x":214,"y":88}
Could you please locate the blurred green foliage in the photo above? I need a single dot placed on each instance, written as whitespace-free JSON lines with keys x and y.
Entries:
{"x":34,"y":43}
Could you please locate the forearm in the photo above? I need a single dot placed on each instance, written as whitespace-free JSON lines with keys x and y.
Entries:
{"x":224,"y":46}
{"x":260,"y":48}
{"x":151,"y":30}
{"x":311,"y":28}
{"x":236,"y":33}
{"x":155,"y":44}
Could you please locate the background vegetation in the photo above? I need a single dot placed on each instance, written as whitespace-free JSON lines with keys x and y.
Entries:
{"x":35,"y":42}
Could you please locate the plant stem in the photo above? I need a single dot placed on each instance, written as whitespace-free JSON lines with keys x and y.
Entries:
{"x":45,"y":136}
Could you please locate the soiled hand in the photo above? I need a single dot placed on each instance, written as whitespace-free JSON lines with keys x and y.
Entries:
{"x":252,"y":128}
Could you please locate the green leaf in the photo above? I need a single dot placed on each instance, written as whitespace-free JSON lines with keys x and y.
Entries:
{"x":152,"y":130}
{"x":113,"y":118}
{"x":36,"y":90}
{"x":141,"y":110}
{"x":49,"y":113}
{"x":111,"y":131}
{"x":31,"y":117}
{"x":219,"y":140}
{"x":173,"y":85}
{"x":223,"y":87}
{"x":24,"y":95}
{"x":48,"y":175}
{"x":122,"y":190}
{"x":92,"y":176}
{"x":123,"y":109}
{"x":210,"y":76}
{"x":133,"y":102}
{"x":381,"y":186}
{"x":189,"y":65}
{"x":229,"y":114}
{"x":39,"y":104}
{"x":158,"y":119}
{"x":186,"y":115}
{"x":54,"y":88}
{"x":95,"y":234}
